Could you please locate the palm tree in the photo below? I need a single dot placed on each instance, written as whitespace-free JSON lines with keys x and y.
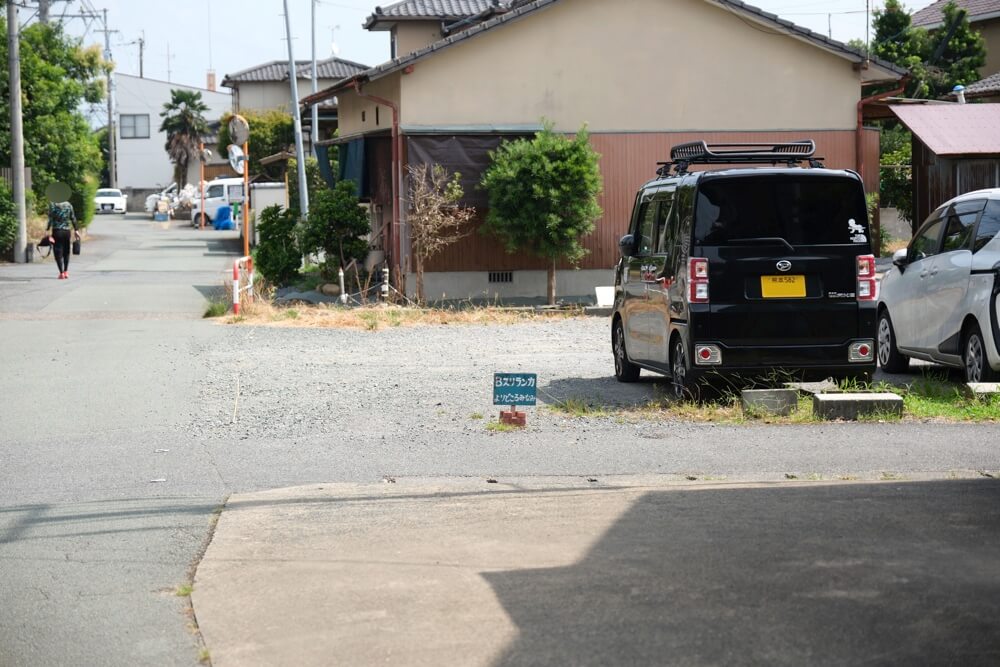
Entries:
{"x":184,"y":124}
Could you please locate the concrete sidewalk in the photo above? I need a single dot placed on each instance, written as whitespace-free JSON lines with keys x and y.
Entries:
{"x":628,"y":571}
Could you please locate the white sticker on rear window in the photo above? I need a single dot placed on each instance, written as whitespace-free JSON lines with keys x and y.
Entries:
{"x":857,"y":230}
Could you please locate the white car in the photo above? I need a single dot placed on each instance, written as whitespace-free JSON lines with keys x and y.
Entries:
{"x":218,"y":193}
{"x":109,"y":200}
{"x":939,"y":302}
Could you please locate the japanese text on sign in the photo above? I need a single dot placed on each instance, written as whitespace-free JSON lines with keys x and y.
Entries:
{"x":515,"y":388}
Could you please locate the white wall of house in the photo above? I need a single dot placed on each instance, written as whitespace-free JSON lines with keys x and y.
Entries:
{"x":142,"y":159}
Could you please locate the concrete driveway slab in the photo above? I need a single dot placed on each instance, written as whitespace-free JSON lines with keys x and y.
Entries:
{"x":542,"y":573}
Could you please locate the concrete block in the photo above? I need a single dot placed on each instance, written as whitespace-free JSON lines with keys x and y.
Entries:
{"x":772,"y":401}
{"x":813,"y":387}
{"x":851,"y":406}
{"x":980,"y":389}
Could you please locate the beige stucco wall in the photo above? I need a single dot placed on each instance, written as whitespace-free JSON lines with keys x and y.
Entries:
{"x":641,"y":65}
{"x":413,"y":35}
{"x":351,"y":106}
{"x":991,"y":33}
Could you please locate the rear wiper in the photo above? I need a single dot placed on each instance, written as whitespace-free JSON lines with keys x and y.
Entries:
{"x":769,"y":240}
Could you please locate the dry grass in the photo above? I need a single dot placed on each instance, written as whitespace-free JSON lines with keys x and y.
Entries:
{"x":385,"y":316}
{"x":896,"y":244}
{"x":36,"y":227}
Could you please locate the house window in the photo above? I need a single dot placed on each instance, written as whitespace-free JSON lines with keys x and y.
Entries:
{"x":376,"y":115}
{"x":362,"y":116}
{"x":134,"y":126}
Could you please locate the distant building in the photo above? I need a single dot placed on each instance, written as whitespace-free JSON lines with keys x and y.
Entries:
{"x":265,"y":87}
{"x":143,"y":163}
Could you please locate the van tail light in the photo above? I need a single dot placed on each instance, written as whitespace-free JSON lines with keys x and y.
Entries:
{"x":697,"y":280}
{"x":867,"y":284}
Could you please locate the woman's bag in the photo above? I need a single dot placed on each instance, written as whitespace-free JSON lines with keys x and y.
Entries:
{"x":76,"y":246}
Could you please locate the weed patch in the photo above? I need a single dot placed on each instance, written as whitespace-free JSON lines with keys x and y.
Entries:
{"x":216,"y":308}
{"x":383,"y":316}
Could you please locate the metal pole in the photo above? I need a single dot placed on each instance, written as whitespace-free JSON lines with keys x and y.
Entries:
{"x":314,"y":130}
{"x":201,"y":183}
{"x":300,"y":156}
{"x":16,"y":133}
{"x":246,"y":199}
{"x":112,"y":166}
{"x":142,"y":45}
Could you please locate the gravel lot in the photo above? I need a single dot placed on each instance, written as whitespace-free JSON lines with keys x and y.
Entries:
{"x":343,"y":405}
{"x":295,"y":381}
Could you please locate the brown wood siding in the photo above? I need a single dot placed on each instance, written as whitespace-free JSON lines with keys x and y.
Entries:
{"x":627,"y":161}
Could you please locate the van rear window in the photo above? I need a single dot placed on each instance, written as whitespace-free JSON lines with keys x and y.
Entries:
{"x":802,"y":211}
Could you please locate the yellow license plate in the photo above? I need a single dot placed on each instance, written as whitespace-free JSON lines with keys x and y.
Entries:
{"x":782,"y":287}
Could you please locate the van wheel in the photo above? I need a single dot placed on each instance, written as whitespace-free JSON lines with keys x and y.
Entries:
{"x":680,"y":367}
{"x":889,"y":357}
{"x":977,"y":365}
{"x":625,"y":370}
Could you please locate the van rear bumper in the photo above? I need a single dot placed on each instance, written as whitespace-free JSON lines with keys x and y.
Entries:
{"x":799,"y":360}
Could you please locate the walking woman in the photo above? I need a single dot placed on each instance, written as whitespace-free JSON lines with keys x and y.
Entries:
{"x":62,"y":223}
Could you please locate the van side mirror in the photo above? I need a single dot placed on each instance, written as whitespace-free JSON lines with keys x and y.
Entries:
{"x":900,"y":258}
{"x":627,"y":245}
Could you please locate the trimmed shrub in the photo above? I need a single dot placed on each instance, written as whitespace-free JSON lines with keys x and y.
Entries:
{"x":277,"y":256}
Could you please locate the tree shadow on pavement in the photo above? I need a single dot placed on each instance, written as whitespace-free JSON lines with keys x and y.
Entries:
{"x":846,"y":574}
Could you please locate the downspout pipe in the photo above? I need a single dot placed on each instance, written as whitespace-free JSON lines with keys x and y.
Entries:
{"x":859,"y":134}
{"x":393,"y":240}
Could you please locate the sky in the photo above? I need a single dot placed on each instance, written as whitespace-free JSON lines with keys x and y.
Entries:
{"x":231,"y":35}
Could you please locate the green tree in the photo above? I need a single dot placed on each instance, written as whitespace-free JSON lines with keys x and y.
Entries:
{"x":337,"y":225}
{"x":953,"y":53}
{"x":277,"y":256}
{"x":543,"y":196}
{"x":937,"y":61}
{"x":185,"y":125}
{"x":58,"y":76}
{"x":270,"y":132}
{"x":314,"y":181}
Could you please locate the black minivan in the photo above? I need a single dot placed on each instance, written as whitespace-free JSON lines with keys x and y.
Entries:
{"x":744,"y":272}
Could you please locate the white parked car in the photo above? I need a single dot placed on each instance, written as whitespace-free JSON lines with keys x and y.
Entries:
{"x":940,"y":300}
{"x":218,"y":193}
{"x":110,"y":200}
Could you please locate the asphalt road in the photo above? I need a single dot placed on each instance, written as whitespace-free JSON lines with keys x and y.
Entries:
{"x":126,"y":421}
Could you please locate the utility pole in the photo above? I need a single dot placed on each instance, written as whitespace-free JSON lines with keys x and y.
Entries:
{"x":16,"y":132}
{"x":314,"y":132}
{"x":169,"y":58}
{"x":43,"y":11}
{"x":142,"y":46}
{"x":112,"y":148}
{"x":300,"y":156}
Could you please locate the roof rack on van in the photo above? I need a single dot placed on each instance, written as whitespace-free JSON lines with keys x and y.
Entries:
{"x":699,"y":152}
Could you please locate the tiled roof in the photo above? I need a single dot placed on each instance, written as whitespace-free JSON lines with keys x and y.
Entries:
{"x":932,"y":15}
{"x":277,"y":70}
{"x":984,"y":87}
{"x":435,"y":10}
{"x":954,"y":129}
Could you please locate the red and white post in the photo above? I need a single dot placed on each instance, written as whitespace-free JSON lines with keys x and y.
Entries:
{"x":247,"y":264}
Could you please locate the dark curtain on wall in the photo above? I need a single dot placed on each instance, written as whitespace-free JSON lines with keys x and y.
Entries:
{"x":469,"y":155}
{"x":352,"y":166}
{"x":325,"y":168}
